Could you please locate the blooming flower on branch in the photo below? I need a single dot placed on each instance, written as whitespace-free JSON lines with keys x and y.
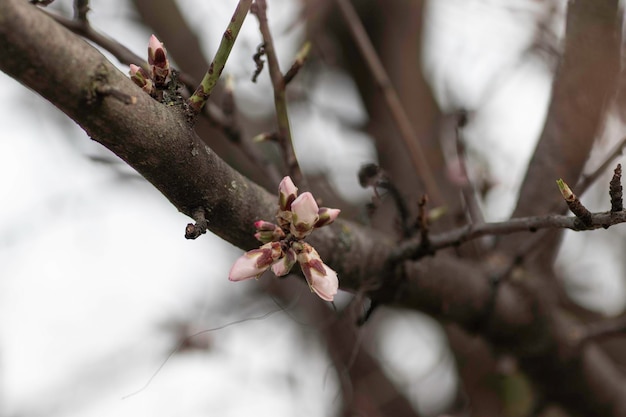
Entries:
{"x":283,"y":242}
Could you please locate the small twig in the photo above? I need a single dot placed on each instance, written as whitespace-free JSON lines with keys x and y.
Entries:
{"x":602,"y":329}
{"x":468,"y":190}
{"x":193,"y":231}
{"x":400,"y":117}
{"x":411,"y":249}
{"x":371,"y":175}
{"x":260,"y":63}
{"x":301,"y":57}
{"x":361,"y":320}
{"x":280,"y":100}
{"x":204,"y":90}
{"x":81,"y":8}
{"x":574,"y":203}
{"x":422,"y":219}
{"x":615,"y":190}
{"x":587,"y":180}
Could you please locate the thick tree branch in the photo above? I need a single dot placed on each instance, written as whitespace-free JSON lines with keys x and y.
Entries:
{"x":157,"y":141}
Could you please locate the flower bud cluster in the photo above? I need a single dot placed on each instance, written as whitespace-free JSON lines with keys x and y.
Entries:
{"x":159,"y":68}
{"x":283,"y":245}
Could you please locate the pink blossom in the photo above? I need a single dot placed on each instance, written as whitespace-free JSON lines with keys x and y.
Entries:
{"x":326,"y":216}
{"x":253,"y":263}
{"x":134,"y":69}
{"x":304,"y":215}
{"x":320,"y":277}
{"x":157,"y":58}
{"x":141,"y":77}
{"x":287,"y":192}
{"x":154,"y":45}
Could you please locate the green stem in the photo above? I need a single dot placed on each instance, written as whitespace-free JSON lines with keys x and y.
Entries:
{"x":203,"y":92}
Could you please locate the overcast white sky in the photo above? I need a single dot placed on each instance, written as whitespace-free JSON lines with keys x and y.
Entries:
{"x":88,"y":306}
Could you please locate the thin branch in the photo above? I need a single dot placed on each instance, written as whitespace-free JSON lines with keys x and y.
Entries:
{"x":469,"y":189}
{"x":280,"y":99}
{"x":81,"y":8}
{"x":587,"y":180}
{"x":412,"y":249}
{"x":301,"y":57}
{"x":605,"y":328}
{"x":204,"y":90}
{"x":574,"y":203}
{"x":399,"y":115}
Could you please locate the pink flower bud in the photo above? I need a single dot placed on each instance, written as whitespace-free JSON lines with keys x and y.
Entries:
{"x":268,"y":232}
{"x":304,"y":215}
{"x":320,"y":277}
{"x":284,"y":264}
{"x":141,"y":77}
{"x":157,"y":58}
{"x":263,"y":226}
{"x":287,"y":192}
{"x":253,"y":263}
{"x":156,"y":52}
{"x":326,"y":216}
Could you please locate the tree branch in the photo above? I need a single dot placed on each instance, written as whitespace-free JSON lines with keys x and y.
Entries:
{"x":399,"y":115}
{"x":586,"y":78}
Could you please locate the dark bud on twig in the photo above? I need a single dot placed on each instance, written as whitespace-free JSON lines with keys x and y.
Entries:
{"x":574,"y":203}
{"x":369,"y":175}
{"x":260,"y":63}
{"x":615,"y":190}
